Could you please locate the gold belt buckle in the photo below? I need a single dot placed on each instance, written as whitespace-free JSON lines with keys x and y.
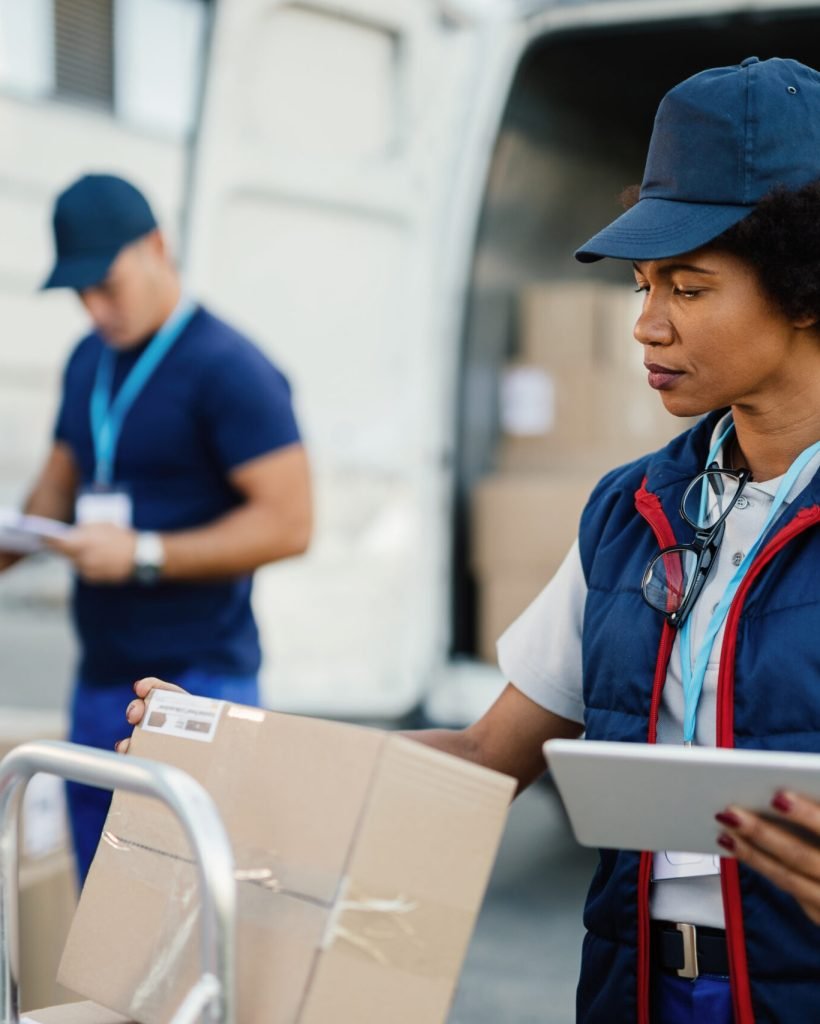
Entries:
{"x":690,"y":951}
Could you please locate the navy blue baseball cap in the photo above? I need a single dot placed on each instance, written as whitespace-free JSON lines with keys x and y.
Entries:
{"x":722,"y":140}
{"x":93,"y":220}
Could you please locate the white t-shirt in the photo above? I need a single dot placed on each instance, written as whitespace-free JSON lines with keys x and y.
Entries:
{"x":540,"y":654}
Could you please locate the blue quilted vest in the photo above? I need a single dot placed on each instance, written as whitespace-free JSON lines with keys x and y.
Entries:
{"x":768,"y":697}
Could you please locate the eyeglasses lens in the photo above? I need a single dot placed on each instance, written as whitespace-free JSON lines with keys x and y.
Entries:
{"x":668,"y":579}
{"x":710,"y":498}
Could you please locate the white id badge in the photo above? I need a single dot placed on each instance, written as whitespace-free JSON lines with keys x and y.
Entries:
{"x":104,"y":506}
{"x":678,"y":864}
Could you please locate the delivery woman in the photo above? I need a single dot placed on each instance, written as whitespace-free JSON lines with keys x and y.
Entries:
{"x":687,"y":611}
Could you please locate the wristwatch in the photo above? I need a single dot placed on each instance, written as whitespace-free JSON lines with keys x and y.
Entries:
{"x":149,"y":557}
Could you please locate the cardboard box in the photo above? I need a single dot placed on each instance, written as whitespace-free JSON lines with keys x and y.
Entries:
{"x":558,"y":323}
{"x":618,"y":309}
{"x":362,"y":858}
{"x":48,"y":899}
{"x":501,"y":599}
{"x":604,"y":417}
{"x":579,"y":324}
{"x":524,"y":524}
{"x":74,"y":1013}
{"x":47,"y":876}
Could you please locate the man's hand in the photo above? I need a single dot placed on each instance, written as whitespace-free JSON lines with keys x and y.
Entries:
{"x":101,"y":552}
{"x":8,"y":559}
{"x":790,"y":862}
{"x":136,"y":709}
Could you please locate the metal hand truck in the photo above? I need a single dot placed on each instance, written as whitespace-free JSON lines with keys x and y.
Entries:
{"x":211,"y":999}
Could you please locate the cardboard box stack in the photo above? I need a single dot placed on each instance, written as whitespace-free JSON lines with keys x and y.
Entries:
{"x":48,"y":887}
{"x":573,"y":404}
{"x":361,"y":855}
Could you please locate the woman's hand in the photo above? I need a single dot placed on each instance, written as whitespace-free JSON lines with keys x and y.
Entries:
{"x":136,"y":709}
{"x":790,"y":862}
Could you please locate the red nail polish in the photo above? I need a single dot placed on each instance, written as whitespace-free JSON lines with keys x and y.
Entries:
{"x":726,"y":842}
{"x":728,"y":818}
{"x":782,"y":803}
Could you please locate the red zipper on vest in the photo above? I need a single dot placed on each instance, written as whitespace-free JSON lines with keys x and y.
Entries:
{"x":649,"y":506}
{"x":729,"y":873}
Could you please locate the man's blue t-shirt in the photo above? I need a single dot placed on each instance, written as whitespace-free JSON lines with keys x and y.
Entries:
{"x":213,"y":403}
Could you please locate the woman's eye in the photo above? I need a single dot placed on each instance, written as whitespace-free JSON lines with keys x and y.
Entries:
{"x":687,"y":293}
{"x":641,"y":288}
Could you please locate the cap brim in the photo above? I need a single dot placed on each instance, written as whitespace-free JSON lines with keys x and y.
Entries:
{"x":654,"y":229}
{"x":78,"y":272}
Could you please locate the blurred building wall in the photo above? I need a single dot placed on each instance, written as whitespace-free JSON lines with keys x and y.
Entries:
{"x":85,"y":85}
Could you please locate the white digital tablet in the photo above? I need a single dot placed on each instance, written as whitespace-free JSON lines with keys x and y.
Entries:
{"x":638,"y":796}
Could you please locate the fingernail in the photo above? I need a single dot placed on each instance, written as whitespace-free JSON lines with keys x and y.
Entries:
{"x":117,"y":745}
{"x":726,"y":842}
{"x":728,"y":818}
{"x":783,"y":803}
{"x":129,"y":709}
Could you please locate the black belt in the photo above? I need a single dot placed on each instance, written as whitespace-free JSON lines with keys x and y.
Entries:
{"x":690,"y":949}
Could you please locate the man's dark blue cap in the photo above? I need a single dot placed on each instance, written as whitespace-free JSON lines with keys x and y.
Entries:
{"x":93,"y":220}
{"x":722,"y":140}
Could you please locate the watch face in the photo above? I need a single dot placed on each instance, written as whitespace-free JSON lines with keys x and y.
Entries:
{"x":148,"y":557}
{"x":147,"y":573}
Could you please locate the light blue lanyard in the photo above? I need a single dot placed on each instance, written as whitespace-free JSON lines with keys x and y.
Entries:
{"x":107,"y":417}
{"x":693,"y":675}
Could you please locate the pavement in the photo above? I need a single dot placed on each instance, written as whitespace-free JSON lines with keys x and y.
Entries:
{"x":522,"y":964}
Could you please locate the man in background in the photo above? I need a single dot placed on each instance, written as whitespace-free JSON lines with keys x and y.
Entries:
{"x":177,"y":456}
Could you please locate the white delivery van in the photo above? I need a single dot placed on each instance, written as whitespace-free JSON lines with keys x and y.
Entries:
{"x":374,"y":180}
{"x":368,"y":186}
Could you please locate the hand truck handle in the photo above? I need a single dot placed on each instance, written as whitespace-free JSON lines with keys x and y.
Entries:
{"x":213,"y":994}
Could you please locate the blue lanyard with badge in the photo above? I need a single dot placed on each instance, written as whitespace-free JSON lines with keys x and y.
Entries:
{"x":693,"y":670}
{"x":103,"y":502}
{"x":670,"y":864}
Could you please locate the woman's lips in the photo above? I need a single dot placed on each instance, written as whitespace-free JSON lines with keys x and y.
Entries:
{"x":661,"y":378}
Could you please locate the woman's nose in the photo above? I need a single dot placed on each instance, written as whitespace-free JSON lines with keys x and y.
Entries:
{"x":653,"y":326}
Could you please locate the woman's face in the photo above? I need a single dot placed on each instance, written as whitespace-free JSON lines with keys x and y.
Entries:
{"x":712,"y":337}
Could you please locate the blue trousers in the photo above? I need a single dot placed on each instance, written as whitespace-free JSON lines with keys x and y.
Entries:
{"x":98,"y":720}
{"x":705,"y":1000}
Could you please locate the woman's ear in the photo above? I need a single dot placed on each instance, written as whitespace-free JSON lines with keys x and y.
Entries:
{"x":804,"y":322}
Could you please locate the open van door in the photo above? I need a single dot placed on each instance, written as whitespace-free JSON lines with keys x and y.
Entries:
{"x":327,"y":201}
{"x":373,"y":180}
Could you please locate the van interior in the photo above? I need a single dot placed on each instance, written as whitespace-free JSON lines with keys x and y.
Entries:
{"x":573,"y":135}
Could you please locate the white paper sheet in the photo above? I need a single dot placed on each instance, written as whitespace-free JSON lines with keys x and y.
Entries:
{"x":23,"y":534}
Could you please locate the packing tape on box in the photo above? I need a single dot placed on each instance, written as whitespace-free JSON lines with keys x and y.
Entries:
{"x":393,"y":915}
{"x":405,"y":934}
{"x":393,"y":930}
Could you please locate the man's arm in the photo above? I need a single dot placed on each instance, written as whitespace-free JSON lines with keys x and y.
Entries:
{"x":53,"y":494}
{"x":273,"y":522}
{"x":507,"y":738}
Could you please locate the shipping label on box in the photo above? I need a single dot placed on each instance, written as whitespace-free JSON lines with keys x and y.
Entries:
{"x":45,"y":823}
{"x":361,"y":860}
{"x":527,"y":401}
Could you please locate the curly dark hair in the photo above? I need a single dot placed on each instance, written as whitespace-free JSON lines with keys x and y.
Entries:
{"x":780,"y":238}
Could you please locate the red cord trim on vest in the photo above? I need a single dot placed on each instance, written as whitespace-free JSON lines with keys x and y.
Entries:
{"x":650,"y":508}
{"x":729,"y":871}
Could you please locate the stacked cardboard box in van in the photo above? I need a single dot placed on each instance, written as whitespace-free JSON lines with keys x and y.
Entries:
{"x":48,"y":887}
{"x":574,"y":403}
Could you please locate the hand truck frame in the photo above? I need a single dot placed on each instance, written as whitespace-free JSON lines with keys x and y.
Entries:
{"x":212,"y":998}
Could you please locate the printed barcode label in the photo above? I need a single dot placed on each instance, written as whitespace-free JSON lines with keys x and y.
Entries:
{"x":182,"y":714}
